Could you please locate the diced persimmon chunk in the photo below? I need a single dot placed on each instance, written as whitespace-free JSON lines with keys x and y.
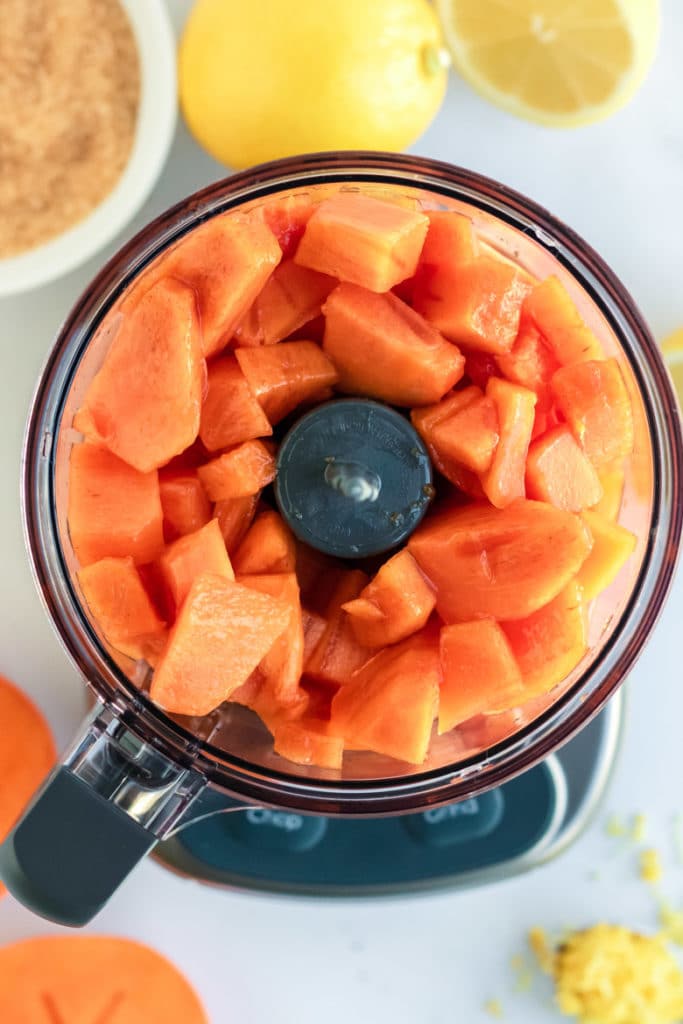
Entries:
{"x":613,"y":545}
{"x":280,"y":669}
{"x":363,"y":240}
{"x":287,"y":218}
{"x":227,"y":261}
{"x":113,"y":509}
{"x":595,"y":402}
{"x":230,"y":414}
{"x":235,"y":516}
{"x":382,"y":348}
{"x":503,"y":482}
{"x":551,"y":642}
{"x":557,"y":471}
{"x":120,"y":605}
{"x":551,"y":309}
{"x":338,"y":653}
{"x":268,"y":547}
{"x":188,"y":557}
{"x":184,"y":503}
{"x":292,"y":296}
{"x":307,"y":742}
{"x":425,"y":420}
{"x":480,"y":673}
{"x":480,"y":308}
{"x":238,"y":473}
{"x":470,"y":436}
{"x":530,"y":362}
{"x":396,"y":603}
{"x":286,"y":375}
{"x":389,"y":705}
{"x":145,"y":401}
{"x":223,"y":631}
{"x":612,"y":482}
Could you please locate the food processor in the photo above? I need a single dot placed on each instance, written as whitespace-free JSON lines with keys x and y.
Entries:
{"x":208,"y":794}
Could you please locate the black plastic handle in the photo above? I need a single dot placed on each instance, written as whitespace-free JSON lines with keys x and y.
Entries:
{"x":70,"y":851}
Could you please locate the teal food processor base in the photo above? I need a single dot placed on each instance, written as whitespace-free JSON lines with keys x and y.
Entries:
{"x":492,"y":836}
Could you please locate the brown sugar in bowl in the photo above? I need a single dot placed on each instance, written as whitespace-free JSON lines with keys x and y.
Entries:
{"x":98,"y":94}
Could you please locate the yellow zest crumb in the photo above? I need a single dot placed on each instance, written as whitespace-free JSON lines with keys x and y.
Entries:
{"x":494,"y":1008}
{"x":671,"y":922}
{"x":524,"y":978}
{"x":524,"y":981}
{"x":615,"y":827}
{"x":638,"y":828}
{"x":610,"y":975}
{"x":650,"y":866}
{"x":542,"y":949}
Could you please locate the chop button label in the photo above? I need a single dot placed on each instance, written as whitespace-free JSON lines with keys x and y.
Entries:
{"x":274,"y":819}
{"x":264,"y":829}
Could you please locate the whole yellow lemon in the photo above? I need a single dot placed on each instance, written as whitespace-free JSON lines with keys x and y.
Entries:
{"x":261,"y":79}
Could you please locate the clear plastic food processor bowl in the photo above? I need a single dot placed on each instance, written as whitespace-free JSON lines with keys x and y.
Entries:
{"x":134,"y":774}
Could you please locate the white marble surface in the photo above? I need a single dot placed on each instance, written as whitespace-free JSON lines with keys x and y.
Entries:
{"x":255,"y":959}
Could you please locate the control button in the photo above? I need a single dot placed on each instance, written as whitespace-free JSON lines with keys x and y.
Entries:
{"x":281,"y":831}
{"x":458,"y":823}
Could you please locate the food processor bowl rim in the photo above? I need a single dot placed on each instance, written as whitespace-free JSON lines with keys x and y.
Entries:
{"x":402,"y":793}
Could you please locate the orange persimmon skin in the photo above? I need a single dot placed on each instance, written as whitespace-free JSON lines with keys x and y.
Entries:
{"x":92,"y":978}
{"x":27,"y":753}
{"x":499,"y":563}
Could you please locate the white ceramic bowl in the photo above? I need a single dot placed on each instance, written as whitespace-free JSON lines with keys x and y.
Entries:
{"x":154,"y":132}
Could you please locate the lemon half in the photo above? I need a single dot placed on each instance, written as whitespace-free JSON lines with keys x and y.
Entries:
{"x":672,"y":347}
{"x":562,"y":63}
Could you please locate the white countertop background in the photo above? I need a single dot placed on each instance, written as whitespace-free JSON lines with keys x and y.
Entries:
{"x":421,"y":960}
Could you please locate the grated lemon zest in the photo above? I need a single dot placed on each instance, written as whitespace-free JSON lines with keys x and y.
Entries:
{"x":610,"y":975}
